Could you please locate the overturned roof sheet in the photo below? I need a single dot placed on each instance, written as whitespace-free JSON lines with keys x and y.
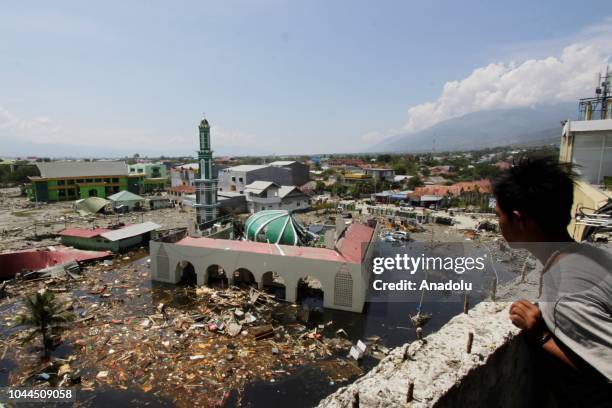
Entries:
{"x":41,"y":258}
{"x":60,"y":169}
{"x":131,"y":231}
{"x":90,"y":205}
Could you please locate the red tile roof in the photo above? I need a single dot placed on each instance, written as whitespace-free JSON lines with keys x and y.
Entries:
{"x":483,"y":186}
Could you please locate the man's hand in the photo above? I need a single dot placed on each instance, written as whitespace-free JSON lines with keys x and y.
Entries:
{"x":525,"y":315}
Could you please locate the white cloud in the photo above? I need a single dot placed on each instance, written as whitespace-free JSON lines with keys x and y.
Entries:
{"x":45,"y":130}
{"x":36,"y":129}
{"x":554,"y":79}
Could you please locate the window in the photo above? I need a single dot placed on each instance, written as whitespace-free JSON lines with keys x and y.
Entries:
{"x":71,"y":182}
{"x":298,"y":204}
{"x":98,"y":180}
{"x":62,"y":193}
{"x":240,"y":179}
{"x":233,"y":178}
{"x":115,"y":180}
{"x":60,"y":182}
{"x":89,"y":180}
{"x":107,"y":180}
{"x":241,"y":192}
{"x":80,"y":181}
{"x":220,"y":189}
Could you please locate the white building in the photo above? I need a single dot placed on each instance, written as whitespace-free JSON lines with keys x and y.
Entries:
{"x":266,"y":195}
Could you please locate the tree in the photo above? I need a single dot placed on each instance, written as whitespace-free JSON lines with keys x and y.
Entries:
{"x":45,"y":316}
{"x":338,"y":189}
{"x":320,"y":187}
{"x":383,"y":158}
{"x":414,"y":182}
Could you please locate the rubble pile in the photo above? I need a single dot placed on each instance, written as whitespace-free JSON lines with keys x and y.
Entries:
{"x":24,"y":224}
{"x":184,"y":344}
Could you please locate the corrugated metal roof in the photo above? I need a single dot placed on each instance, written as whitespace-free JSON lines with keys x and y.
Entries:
{"x":284,"y":190}
{"x":282,"y":163}
{"x":246,"y":167}
{"x":259,"y":186}
{"x":131,"y":231}
{"x":125,"y":196}
{"x":60,"y":169}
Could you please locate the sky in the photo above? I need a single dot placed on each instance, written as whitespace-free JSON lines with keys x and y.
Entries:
{"x":279,"y":77}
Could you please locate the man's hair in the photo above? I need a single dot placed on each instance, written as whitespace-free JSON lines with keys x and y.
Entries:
{"x":539,"y":187}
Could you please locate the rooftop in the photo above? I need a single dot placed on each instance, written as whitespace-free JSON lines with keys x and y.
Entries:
{"x":349,"y":249}
{"x":83,"y":233}
{"x":246,"y":167}
{"x":259,"y":186}
{"x":130,"y":231}
{"x":59,"y":169}
{"x":282,"y":163}
{"x":125,"y":196}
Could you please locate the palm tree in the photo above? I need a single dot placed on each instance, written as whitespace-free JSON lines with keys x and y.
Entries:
{"x":45,"y":316}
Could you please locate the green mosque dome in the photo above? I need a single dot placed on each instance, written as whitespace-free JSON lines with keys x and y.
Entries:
{"x":275,"y":227}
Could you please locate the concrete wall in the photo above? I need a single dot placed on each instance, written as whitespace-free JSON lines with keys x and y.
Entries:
{"x":499,"y":371}
{"x":165,"y":259}
{"x":294,"y":175}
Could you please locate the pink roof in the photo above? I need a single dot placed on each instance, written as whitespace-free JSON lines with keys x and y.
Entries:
{"x":82,"y":232}
{"x":36,"y":259}
{"x":351,"y":246}
{"x":350,"y":250}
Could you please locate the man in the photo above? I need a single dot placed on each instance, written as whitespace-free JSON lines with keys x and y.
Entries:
{"x":572,"y":322}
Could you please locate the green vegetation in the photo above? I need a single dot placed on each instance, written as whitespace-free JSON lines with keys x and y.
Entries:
{"x":46,"y":317}
{"x":17,"y":173}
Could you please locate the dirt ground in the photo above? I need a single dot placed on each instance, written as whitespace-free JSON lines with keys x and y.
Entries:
{"x":24,"y":224}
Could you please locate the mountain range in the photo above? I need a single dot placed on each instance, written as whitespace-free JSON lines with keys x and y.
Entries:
{"x":490,"y":128}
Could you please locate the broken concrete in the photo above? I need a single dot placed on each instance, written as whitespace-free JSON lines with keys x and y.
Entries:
{"x":497,"y":371}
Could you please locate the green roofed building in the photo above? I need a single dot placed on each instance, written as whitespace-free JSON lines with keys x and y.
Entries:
{"x":73,"y":180}
{"x":275,"y":227}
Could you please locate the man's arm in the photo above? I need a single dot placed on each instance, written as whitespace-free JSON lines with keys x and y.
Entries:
{"x":527,"y":316}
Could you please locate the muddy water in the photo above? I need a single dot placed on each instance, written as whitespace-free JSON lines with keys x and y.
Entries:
{"x":386,"y":323}
{"x":390,"y":321}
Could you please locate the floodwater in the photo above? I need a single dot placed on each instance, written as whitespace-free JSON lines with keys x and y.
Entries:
{"x":305,"y":386}
{"x":388,"y":320}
